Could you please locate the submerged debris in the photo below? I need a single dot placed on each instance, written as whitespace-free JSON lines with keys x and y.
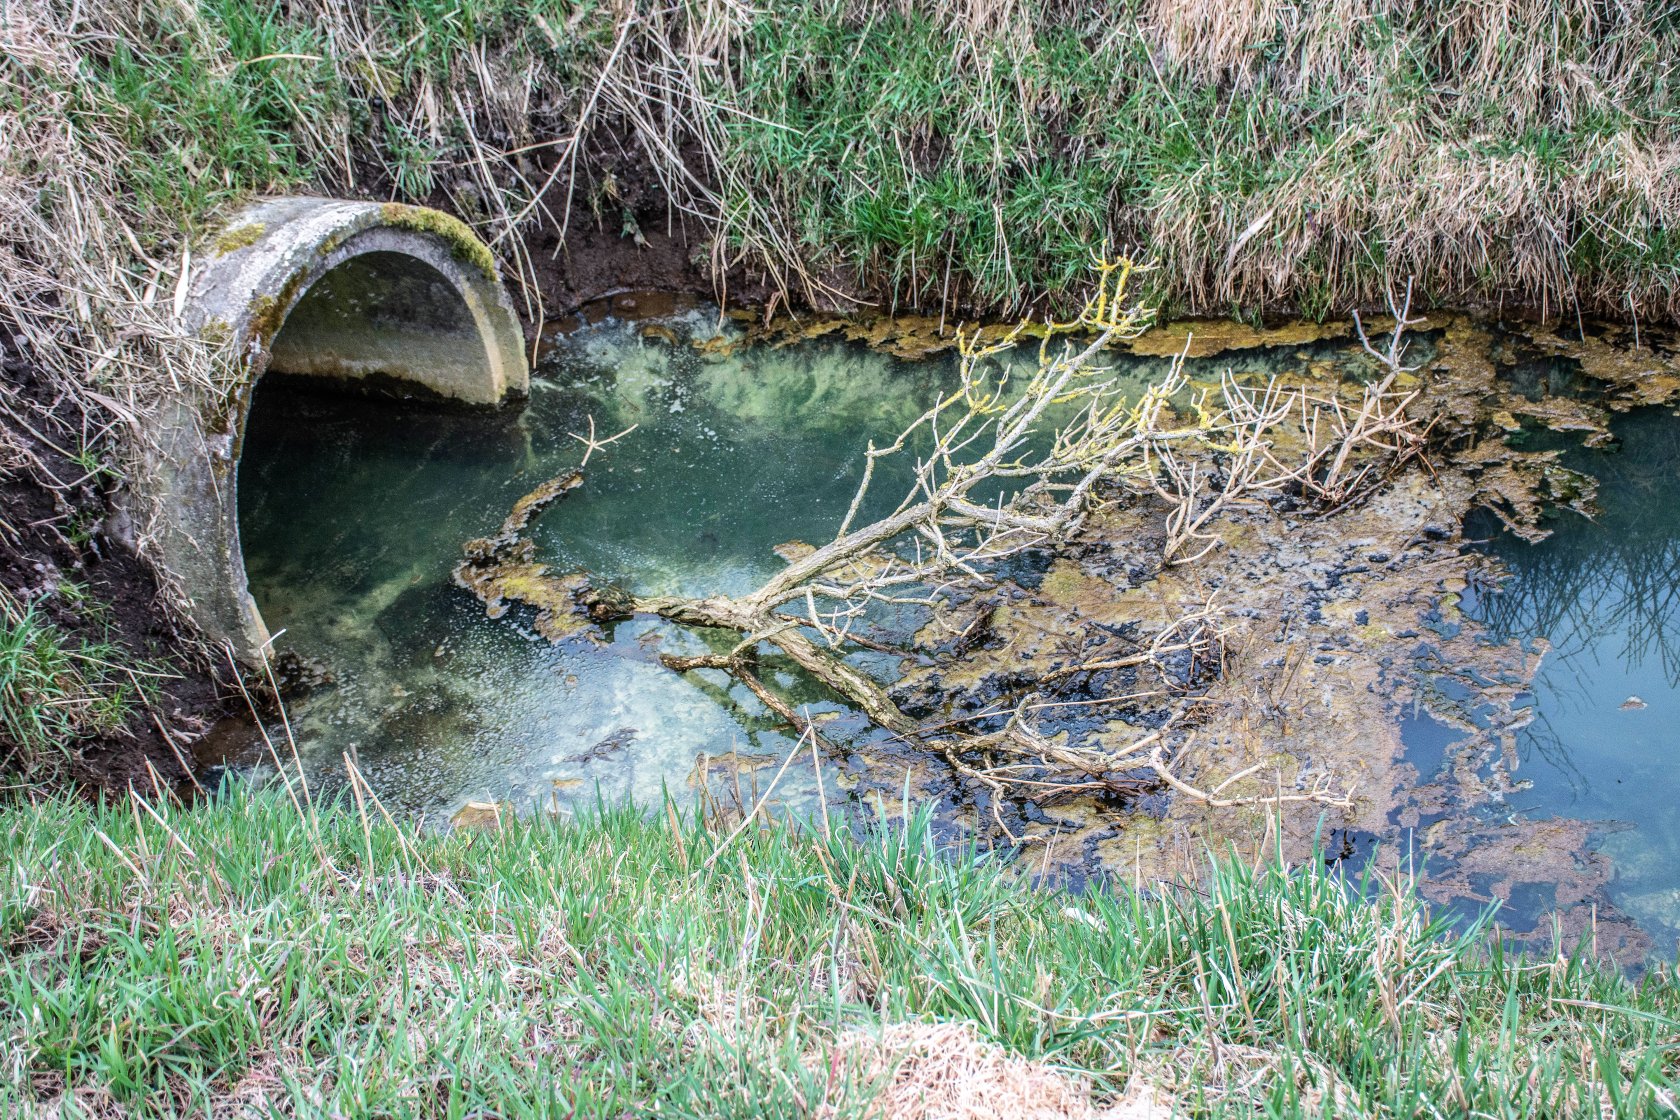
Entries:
{"x":1205,"y":338}
{"x":606,"y":748}
{"x":503,"y":569}
{"x":1193,"y":459}
{"x":1636,"y":367}
{"x":913,"y":337}
{"x":1521,"y":487}
{"x":482,"y":816}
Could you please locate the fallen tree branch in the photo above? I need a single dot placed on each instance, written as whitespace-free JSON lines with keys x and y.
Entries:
{"x":1013,"y":462}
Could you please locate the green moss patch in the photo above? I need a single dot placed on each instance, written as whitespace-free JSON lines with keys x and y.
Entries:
{"x":240,"y":237}
{"x":463,"y":243}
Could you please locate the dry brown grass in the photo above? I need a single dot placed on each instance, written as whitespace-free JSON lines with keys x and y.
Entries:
{"x":945,"y":1071}
{"x":1427,"y":183}
{"x":93,"y":307}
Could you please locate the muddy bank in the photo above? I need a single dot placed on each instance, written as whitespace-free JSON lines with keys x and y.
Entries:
{"x":629,"y":250}
{"x":625,"y":235}
{"x":632,"y":252}
{"x":67,"y":548}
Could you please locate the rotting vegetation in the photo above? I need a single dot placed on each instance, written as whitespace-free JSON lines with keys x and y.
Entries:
{"x":256,"y":957}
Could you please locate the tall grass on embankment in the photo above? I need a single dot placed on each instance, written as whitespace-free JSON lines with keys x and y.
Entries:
{"x":251,"y":958}
{"x":1273,"y":154}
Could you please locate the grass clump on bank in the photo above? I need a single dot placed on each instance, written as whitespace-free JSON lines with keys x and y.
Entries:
{"x":246,"y":958}
{"x":55,"y":689}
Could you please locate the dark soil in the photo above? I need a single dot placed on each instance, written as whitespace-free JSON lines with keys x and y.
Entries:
{"x":623,"y":236}
{"x":68,"y":530}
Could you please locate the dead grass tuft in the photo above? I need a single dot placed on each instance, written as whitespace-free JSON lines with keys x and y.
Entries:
{"x":87,"y":286}
{"x":945,"y":1071}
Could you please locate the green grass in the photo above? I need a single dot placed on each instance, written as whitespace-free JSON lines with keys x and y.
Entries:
{"x":1492,"y":150}
{"x":55,"y":689}
{"x":166,"y":962}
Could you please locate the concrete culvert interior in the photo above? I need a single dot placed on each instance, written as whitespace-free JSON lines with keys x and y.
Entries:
{"x":386,"y":315}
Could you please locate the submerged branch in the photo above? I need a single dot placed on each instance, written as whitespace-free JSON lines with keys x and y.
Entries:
{"x":993,"y":435}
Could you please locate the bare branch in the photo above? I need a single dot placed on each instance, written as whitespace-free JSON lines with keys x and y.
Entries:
{"x":1017,"y":458}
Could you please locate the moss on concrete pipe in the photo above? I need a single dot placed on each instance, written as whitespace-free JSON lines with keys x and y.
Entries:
{"x":321,"y":288}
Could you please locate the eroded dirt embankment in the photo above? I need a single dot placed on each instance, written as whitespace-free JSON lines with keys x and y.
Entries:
{"x":67,"y":549}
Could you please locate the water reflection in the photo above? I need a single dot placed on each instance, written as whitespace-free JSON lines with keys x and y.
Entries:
{"x":1605,"y":597}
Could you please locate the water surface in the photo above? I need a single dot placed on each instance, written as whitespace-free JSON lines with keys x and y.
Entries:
{"x":354,"y":513}
{"x":352,"y":524}
{"x":1604,"y":598}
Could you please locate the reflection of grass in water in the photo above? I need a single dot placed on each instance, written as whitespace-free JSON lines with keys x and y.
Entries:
{"x":1618,"y":575}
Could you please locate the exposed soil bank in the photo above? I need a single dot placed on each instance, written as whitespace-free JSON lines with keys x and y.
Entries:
{"x":67,"y":548}
{"x":589,"y":266}
{"x":1273,"y":157}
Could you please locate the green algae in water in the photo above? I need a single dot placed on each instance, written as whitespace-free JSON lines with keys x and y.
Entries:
{"x":353,"y":514}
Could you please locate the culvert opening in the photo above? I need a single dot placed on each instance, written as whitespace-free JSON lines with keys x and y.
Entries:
{"x":382,"y":324}
{"x":387,"y":319}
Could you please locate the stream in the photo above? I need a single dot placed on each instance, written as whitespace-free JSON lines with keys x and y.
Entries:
{"x":353,"y":513}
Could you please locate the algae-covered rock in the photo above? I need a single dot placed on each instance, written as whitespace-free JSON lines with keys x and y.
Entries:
{"x":502,"y":570}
